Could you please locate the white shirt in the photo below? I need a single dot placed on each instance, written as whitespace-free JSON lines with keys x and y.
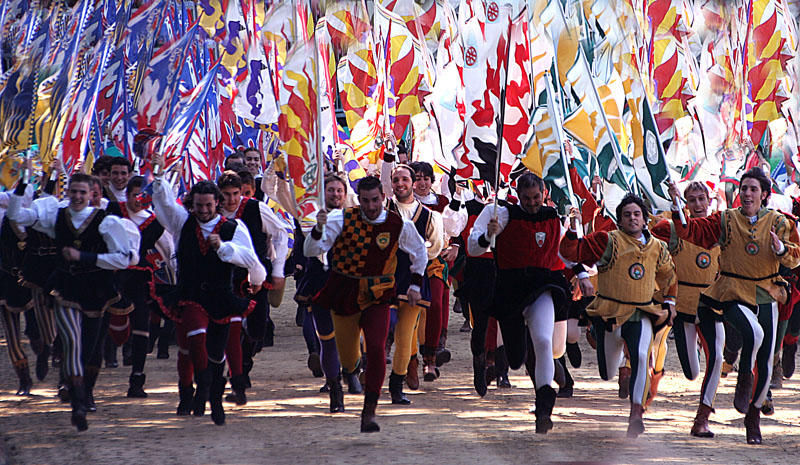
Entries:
{"x":410,"y":241}
{"x":238,"y":251}
{"x":434,"y":239}
{"x":164,"y":244}
{"x":275,"y":228}
{"x":120,"y":195}
{"x":123,"y":248}
{"x":453,"y":221}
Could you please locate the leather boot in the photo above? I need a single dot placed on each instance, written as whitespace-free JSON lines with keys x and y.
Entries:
{"x":127,"y":353}
{"x":25,"y":381}
{"x":238,"y":387}
{"x":429,"y":370}
{"x":412,"y":374}
{"x":777,"y":374}
{"x":351,"y":379}
{"x":574,"y":354}
{"x":635,"y":421}
{"x":185,"y":403}
{"x":215,"y":392}
{"x":752,"y":425}
{"x":203,"y":381}
{"x":336,"y":394}
{"x":479,"y":373}
{"x":368,"y":423}
{"x":700,"y":428}
{"x":77,"y":395}
{"x":624,"y":381}
{"x":315,"y":365}
{"x":501,"y":368}
{"x":90,"y":379}
{"x":744,"y":391}
{"x":42,"y":351}
{"x":655,"y":378}
{"x":545,"y":401}
{"x":565,"y":391}
{"x":396,"y":389}
{"x":136,"y":386}
{"x":443,"y":354}
{"x":787,"y":359}
{"x":63,"y":387}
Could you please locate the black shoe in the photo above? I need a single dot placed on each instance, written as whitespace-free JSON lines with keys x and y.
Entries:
{"x":90,"y":379}
{"x":238,"y":388}
{"x":574,"y":355}
{"x":203,"y":381}
{"x":787,"y":359}
{"x":503,"y":381}
{"x":768,"y":408}
{"x":215,"y":392}
{"x":63,"y":393}
{"x":336,"y":394}
{"x":163,"y":353}
{"x":353,"y":384}
{"x":315,"y":365}
{"x":186,"y":394}
{"x":112,"y":364}
{"x":565,"y":392}
{"x":325,"y":388}
{"x":78,"y":401}
{"x":545,"y":401}
{"x":396,"y":389}
{"x":56,"y":361}
{"x":443,"y":356}
{"x":42,"y":365}
{"x":466,"y":327}
{"x":136,"y":386}
{"x":25,"y":381}
{"x":479,"y":373}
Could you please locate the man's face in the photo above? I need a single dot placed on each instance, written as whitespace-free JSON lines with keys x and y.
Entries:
{"x":751,"y":196}
{"x":422,"y":184}
{"x":531,"y":199}
{"x":204,"y":207}
{"x":252,"y":160}
{"x":697,"y":201}
{"x":105,"y":176}
{"x":79,"y":194}
{"x":231,"y":198}
{"x":119,"y":176}
{"x":132,"y":199}
{"x":334,"y":195}
{"x":632,"y":220}
{"x":248,"y":190}
{"x":371,"y":202}
{"x":95,"y":194}
{"x":401,"y":184}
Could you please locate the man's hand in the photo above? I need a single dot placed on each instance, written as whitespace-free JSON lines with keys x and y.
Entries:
{"x":278,"y":283}
{"x":674,"y":194}
{"x":597,"y":182}
{"x":777,"y":245}
{"x":450,"y":253}
{"x":493,"y":228}
{"x":215,"y":241}
{"x":322,"y":220}
{"x":414,"y":297}
{"x":574,"y":214}
{"x":71,"y":254}
{"x":586,"y":287}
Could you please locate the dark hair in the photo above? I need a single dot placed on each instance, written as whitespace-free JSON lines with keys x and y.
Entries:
{"x":82,"y":177}
{"x":247,"y":177}
{"x":405,"y":167}
{"x":369,"y":183}
{"x":757,"y":174}
{"x":696,"y":186}
{"x":251,"y":149}
{"x":629,"y":199}
{"x":102,"y":163}
{"x":422,"y":167}
{"x":235,"y":166}
{"x":335,"y":177}
{"x":232,"y":159}
{"x":120,"y":161}
{"x":528,"y":180}
{"x":229,"y":179}
{"x":134,"y":182}
{"x":202,"y":187}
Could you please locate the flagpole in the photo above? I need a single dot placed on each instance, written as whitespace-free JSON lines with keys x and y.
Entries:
{"x":500,"y":130}
{"x":317,"y":126}
{"x":559,"y":132}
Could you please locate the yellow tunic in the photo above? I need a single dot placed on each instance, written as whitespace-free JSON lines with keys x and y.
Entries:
{"x":696,"y":267}
{"x":629,"y":274}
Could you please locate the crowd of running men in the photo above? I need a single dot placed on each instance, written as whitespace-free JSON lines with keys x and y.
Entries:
{"x":378,"y":268}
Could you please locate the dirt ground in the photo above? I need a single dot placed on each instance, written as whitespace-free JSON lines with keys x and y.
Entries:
{"x":286,"y":419}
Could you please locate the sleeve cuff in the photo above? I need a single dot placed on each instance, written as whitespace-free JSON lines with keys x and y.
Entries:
{"x":781,"y":250}
{"x":416,"y":280}
{"x":669,"y":302}
{"x":572,"y":235}
{"x":225,"y":252}
{"x":20,"y":189}
{"x":455,"y":204}
{"x":88,"y":257}
{"x":316,"y":234}
{"x":583,"y":275}
{"x":483,"y":242}
{"x":388,"y":157}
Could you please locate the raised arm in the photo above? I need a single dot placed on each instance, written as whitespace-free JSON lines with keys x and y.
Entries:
{"x":587,"y":250}
{"x":275,"y":227}
{"x":704,"y":232}
{"x":321,"y":238}
{"x":171,"y":215}
{"x":478,"y":241}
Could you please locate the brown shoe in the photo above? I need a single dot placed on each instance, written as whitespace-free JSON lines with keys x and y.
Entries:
{"x":624,"y":382}
{"x":412,"y":376}
{"x":429,"y":370}
{"x":752,"y":425}
{"x":743,"y":393}
{"x":700,"y":428}
{"x":635,"y":421}
{"x":368,"y":423}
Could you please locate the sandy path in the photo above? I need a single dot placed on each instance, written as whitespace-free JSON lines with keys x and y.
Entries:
{"x":287,"y":421}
